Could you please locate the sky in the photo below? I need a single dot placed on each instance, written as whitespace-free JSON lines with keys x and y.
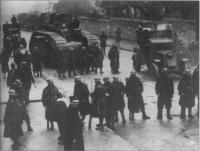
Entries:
{"x":9,"y":7}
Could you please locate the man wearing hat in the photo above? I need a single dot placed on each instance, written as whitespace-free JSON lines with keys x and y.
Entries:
{"x":49,"y":98}
{"x":187,"y":95}
{"x":81,"y":93}
{"x":13,"y":119}
{"x":98,"y":102}
{"x":109,"y":102}
{"x":164,"y":89}
{"x":134,"y":89}
{"x":113,"y":56}
{"x":119,"y":104}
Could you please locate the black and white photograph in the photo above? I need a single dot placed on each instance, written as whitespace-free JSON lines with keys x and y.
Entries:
{"x":99,"y":75}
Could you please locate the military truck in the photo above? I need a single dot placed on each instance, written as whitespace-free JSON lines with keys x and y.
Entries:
{"x":51,"y":45}
{"x":155,"y":49}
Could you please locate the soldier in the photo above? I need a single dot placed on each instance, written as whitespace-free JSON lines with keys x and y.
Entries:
{"x":81,"y":93}
{"x":109,"y":102}
{"x":103,"y":39}
{"x":98,"y":102}
{"x":49,"y":98}
{"x":187,"y":95}
{"x":98,"y":59}
{"x":73,"y":136}
{"x":119,"y":104}
{"x":118,"y":36}
{"x":5,"y":28}
{"x":17,"y":86}
{"x":12,"y":75}
{"x":13,"y":119}
{"x":164,"y":89}
{"x":18,"y":58}
{"x":113,"y":55}
{"x":134,"y":89}
{"x":71,"y":62}
{"x":25,"y":75}
{"x":36,"y":60}
{"x":195,"y":79}
{"x":4,"y":62}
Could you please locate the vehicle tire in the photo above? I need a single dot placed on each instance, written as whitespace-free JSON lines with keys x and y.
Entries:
{"x":136,"y":64}
{"x":154,"y":71}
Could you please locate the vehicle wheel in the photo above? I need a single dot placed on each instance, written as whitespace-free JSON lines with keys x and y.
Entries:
{"x":136,"y":64}
{"x":154,"y":71}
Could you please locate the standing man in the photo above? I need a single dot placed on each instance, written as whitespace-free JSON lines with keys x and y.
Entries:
{"x":25,"y":75}
{"x":113,"y":55}
{"x":71,"y":62}
{"x":49,"y":98}
{"x":164,"y":89}
{"x":109,"y":102}
{"x":98,"y":59}
{"x":195,"y":79}
{"x":118,"y":36}
{"x":103,"y":39}
{"x":187,"y":95}
{"x":5,"y":29}
{"x":134,"y":89}
{"x":81,"y":93}
{"x":119,"y":104}
{"x":98,"y":102}
{"x":36,"y":59}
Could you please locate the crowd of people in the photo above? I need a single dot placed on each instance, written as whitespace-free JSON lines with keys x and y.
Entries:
{"x":103,"y":103}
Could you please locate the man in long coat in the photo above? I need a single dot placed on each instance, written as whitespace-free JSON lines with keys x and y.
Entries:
{"x":109,"y":102}
{"x":134,"y":89}
{"x":164,"y":89}
{"x":103,"y":39}
{"x":49,"y":98}
{"x":25,"y":75}
{"x":187,"y":95}
{"x":71,"y":62}
{"x":113,"y":56}
{"x":98,"y":59}
{"x":81,"y":93}
{"x":195,"y":79}
{"x":119,"y":104}
{"x":98,"y":102}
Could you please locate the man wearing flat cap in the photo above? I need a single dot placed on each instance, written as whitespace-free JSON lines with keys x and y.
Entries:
{"x":49,"y":98}
{"x":134,"y":89}
{"x":81,"y":93}
{"x":119,"y":104}
{"x":164,"y":89}
{"x":109,"y":102}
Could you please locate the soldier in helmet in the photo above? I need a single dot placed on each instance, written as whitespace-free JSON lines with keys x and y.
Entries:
{"x":98,"y":102}
{"x":109,"y":102}
{"x":5,"y":28}
{"x":119,"y":104}
{"x":187,"y":95}
{"x":164,"y":89}
{"x":113,"y":56}
{"x":81,"y":93}
{"x":134,"y":89}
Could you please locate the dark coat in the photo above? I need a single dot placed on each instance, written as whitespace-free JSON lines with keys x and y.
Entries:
{"x":49,"y":98}
{"x":134,"y":89}
{"x":13,"y":120}
{"x":186,"y":92}
{"x":119,"y":91}
{"x":164,"y":89}
{"x":98,"y":102}
{"x":195,"y":79}
{"x":103,"y":39}
{"x":12,"y":75}
{"x":81,"y":93}
{"x":73,"y":131}
{"x":113,"y":55}
{"x":98,"y":57}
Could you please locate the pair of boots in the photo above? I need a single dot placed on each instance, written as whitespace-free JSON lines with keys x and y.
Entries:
{"x":159,"y":116}
{"x":144,"y":116}
{"x":183,"y":116}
